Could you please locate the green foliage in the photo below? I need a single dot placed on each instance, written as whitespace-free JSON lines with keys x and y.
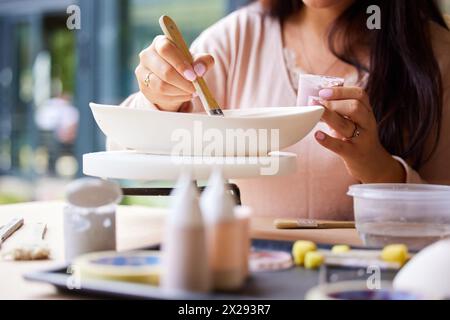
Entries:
{"x":62,"y":49}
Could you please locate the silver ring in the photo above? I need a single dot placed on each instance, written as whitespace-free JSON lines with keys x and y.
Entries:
{"x":356,"y":133}
{"x":147,"y":79}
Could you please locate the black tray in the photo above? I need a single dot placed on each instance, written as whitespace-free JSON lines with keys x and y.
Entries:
{"x":288,"y":284}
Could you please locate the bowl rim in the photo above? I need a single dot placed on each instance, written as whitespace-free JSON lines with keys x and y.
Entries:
{"x":296,"y":110}
{"x":400,"y":191}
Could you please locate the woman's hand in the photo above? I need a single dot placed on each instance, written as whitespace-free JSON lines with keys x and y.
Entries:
{"x":355,"y":136}
{"x":165,"y":77}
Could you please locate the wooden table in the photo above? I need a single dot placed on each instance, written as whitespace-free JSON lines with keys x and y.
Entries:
{"x":137,"y":227}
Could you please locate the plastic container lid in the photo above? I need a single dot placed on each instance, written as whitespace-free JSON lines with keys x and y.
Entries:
{"x":93,"y":193}
{"x":399,"y":191}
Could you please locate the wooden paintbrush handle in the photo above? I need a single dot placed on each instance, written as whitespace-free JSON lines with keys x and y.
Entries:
{"x":312,"y":224}
{"x":172,"y":32}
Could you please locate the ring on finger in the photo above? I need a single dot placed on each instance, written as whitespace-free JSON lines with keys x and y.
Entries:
{"x":147,"y":79}
{"x":356,"y":132}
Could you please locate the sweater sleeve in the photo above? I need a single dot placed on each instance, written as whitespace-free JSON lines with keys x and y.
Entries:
{"x":412,"y":176}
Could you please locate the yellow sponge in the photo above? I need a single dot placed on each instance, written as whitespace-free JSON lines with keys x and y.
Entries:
{"x":342,"y":248}
{"x":313,"y":260}
{"x":300,"y":249}
{"x":395,"y":253}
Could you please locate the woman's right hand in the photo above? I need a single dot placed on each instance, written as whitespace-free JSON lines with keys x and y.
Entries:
{"x":165,"y":77}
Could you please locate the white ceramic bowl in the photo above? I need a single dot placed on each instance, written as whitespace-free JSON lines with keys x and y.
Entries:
{"x":413,"y":214}
{"x":244,"y":132}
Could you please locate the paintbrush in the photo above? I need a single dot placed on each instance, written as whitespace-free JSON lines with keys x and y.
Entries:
{"x":172,"y":32}
{"x":312,"y":224}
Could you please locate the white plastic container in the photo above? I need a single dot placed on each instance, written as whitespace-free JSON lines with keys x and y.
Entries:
{"x":309,"y":85}
{"x":90,"y":217}
{"x":415,"y":215}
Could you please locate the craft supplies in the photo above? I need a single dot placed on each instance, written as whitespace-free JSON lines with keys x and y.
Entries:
{"x":359,"y":258}
{"x":90,"y":216}
{"x":309,"y":85}
{"x":243,"y":215}
{"x":358,"y":290}
{"x":299,"y":250}
{"x":28,"y":252}
{"x":261,"y":261}
{"x":172,"y":32}
{"x":412,"y":214}
{"x":134,"y":266}
{"x":31,"y":246}
{"x":397,"y":253}
{"x":313,"y":260}
{"x":185,"y":250}
{"x":223,"y":235}
{"x":391,"y":258}
{"x":428,"y":272}
{"x":312,"y":224}
{"x":342,"y":248}
{"x":8,"y":229}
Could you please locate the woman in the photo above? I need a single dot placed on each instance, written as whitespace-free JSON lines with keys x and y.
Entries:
{"x":396,"y":95}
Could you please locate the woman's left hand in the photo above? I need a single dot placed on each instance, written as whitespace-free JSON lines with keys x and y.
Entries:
{"x":355,"y":136}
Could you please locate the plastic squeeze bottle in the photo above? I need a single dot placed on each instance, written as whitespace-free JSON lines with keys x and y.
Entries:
{"x":185,"y":252}
{"x":223,"y":235}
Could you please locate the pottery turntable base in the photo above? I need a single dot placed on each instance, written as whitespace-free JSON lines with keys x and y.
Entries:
{"x":132,"y":165}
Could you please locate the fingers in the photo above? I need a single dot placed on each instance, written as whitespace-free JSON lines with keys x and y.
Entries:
{"x":338,"y":146}
{"x":343,"y":127}
{"x":166,"y":71}
{"x":160,"y":92}
{"x":352,"y":109}
{"x":346,"y":93}
{"x":156,"y":84}
{"x":167,"y":50}
{"x":203,"y":63}
{"x":170,"y":74}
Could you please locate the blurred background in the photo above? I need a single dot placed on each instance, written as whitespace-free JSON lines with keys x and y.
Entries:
{"x":49,"y":74}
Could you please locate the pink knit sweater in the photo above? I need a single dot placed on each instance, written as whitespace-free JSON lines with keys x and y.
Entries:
{"x":250,"y":71}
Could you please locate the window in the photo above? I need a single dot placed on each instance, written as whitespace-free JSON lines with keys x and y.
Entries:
{"x":192,"y":17}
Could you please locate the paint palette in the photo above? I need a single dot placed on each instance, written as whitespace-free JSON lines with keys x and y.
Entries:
{"x":292,"y":283}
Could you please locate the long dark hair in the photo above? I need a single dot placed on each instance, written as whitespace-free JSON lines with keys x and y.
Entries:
{"x":405,"y":83}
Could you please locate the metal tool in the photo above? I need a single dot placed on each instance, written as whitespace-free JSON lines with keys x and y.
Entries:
{"x":8,"y":229}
